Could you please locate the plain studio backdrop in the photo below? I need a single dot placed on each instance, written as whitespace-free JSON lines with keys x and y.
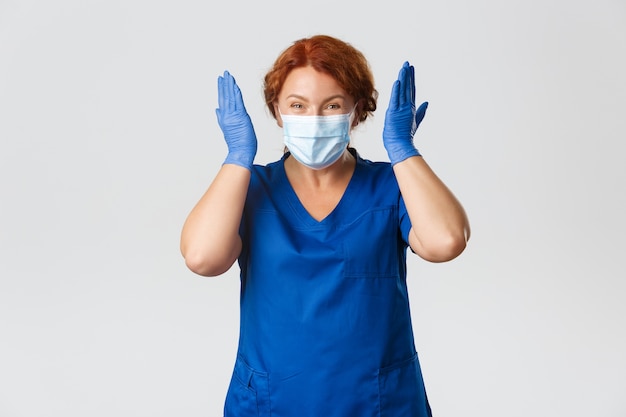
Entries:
{"x":108,"y":137}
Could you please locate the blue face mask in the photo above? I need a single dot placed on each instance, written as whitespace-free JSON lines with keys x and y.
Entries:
{"x":317,"y":141}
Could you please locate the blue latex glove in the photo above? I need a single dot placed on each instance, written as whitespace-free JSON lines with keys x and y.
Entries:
{"x":401,"y":119}
{"x":235,"y":123}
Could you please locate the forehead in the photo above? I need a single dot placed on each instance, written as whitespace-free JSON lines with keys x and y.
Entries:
{"x":311,"y":84}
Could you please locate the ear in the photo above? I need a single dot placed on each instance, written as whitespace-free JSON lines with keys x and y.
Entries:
{"x":279,"y":120}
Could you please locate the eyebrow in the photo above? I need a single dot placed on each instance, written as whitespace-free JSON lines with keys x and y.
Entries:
{"x":341,"y":96}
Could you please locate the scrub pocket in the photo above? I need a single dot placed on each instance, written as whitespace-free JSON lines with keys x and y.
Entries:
{"x":248,"y":393}
{"x":401,"y":390}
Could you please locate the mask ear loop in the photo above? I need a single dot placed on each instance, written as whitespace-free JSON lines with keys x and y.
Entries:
{"x":352,"y":115}
{"x":351,"y":126}
{"x":280,"y":114}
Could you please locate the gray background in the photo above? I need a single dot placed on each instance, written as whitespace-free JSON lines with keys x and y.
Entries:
{"x":108,"y":137}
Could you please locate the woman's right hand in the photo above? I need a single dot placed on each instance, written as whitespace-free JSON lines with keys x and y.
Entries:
{"x":235,"y":123}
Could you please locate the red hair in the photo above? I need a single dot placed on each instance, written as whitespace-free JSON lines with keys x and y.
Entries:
{"x":331,"y":56}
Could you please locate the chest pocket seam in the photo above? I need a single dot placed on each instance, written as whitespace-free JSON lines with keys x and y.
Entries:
{"x":372,"y":245}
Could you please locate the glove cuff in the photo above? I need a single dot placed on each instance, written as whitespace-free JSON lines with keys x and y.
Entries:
{"x":400,"y":156}
{"x":245,"y":161}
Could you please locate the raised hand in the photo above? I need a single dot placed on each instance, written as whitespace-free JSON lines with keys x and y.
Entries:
{"x":235,"y":123}
{"x":401,"y":118}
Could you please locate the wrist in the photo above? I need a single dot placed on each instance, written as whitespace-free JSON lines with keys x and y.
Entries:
{"x":398,"y":152}
{"x":403,"y":156}
{"x":245,"y":161}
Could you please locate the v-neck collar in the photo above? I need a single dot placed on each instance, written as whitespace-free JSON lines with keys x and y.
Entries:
{"x":301,"y":214}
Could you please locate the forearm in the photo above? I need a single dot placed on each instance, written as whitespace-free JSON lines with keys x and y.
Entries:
{"x":440,"y":228}
{"x":210,"y":241}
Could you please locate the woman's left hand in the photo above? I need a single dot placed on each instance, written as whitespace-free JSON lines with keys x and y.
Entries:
{"x":401,"y":118}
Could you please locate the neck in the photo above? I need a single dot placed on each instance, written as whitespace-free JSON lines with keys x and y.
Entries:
{"x":342,"y":168}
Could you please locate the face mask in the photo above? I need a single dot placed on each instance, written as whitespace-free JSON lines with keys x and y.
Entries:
{"x":317,"y":141}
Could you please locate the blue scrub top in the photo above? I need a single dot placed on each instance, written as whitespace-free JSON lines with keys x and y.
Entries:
{"x":325,"y":325}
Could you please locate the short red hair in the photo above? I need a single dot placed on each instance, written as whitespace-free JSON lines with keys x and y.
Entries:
{"x":331,"y":56}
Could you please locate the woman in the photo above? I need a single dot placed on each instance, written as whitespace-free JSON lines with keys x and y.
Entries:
{"x":321,"y":237}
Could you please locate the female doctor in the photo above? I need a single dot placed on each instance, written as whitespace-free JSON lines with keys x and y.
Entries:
{"x":321,"y":237}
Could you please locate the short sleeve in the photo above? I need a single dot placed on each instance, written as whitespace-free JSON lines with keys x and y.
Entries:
{"x":404,"y":221}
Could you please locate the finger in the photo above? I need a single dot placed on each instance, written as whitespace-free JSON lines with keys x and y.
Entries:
{"x":238,"y":98}
{"x":412,"y":81}
{"x":395,"y":95}
{"x":218,"y":113}
{"x":221,"y":95}
{"x":230,"y":91}
{"x":420,"y":113}
{"x":405,"y":84}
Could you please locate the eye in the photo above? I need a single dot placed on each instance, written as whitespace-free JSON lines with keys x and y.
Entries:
{"x":296,"y":106}
{"x":333,"y":107}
